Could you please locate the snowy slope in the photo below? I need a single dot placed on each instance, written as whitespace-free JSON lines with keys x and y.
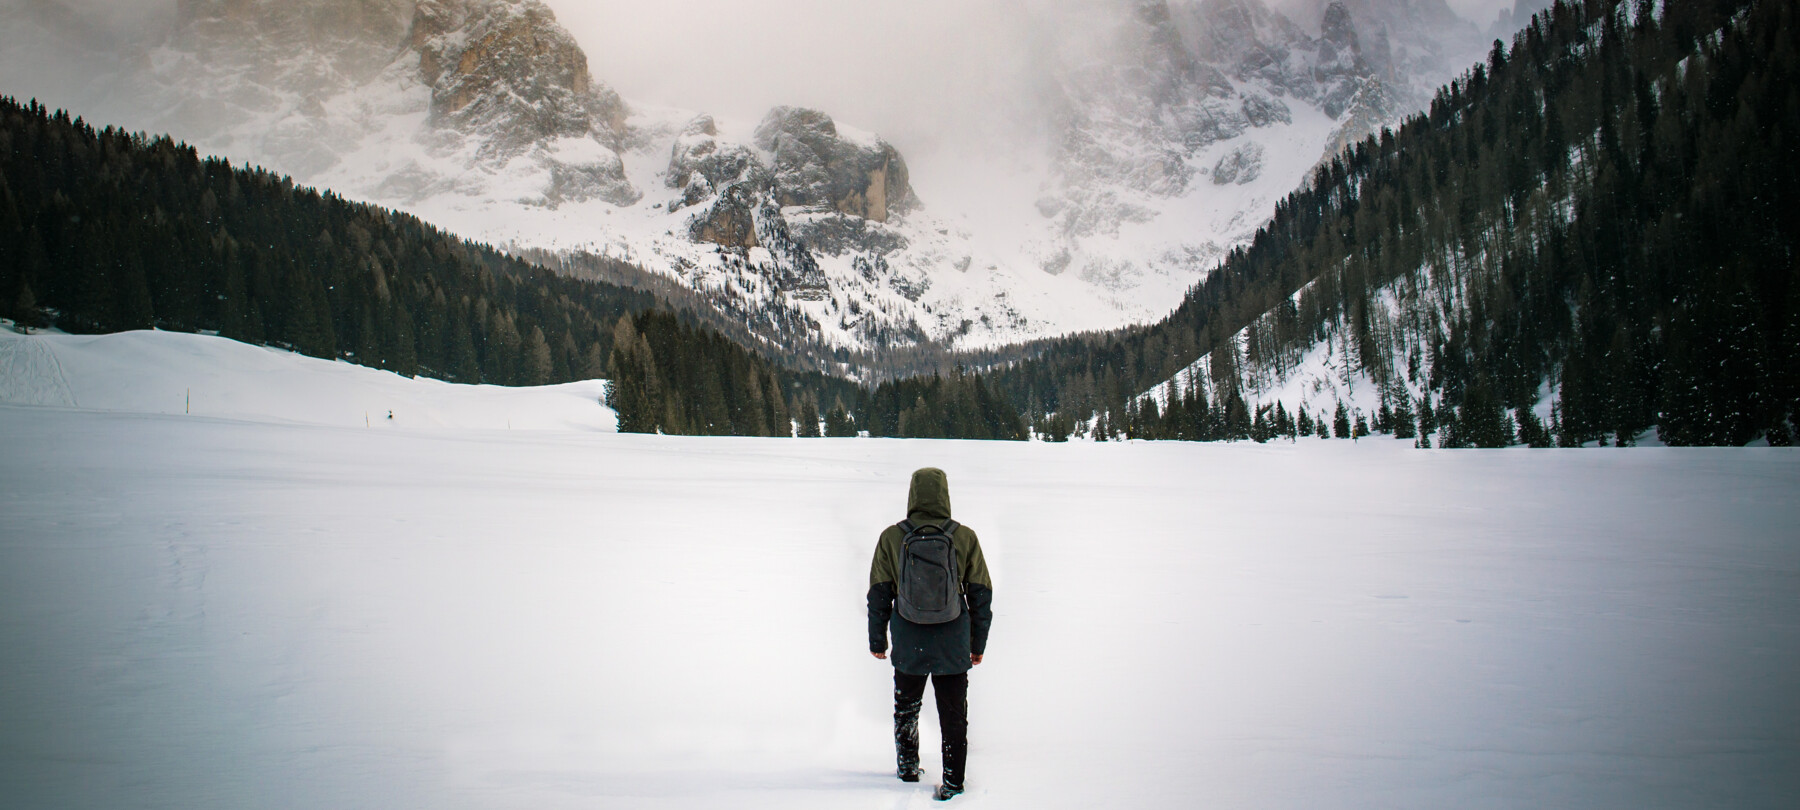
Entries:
{"x":223,"y":613}
{"x":200,"y":375}
{"x":1318,"y":376}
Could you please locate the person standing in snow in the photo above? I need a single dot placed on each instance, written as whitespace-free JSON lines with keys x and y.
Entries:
{"x":939,"y":648}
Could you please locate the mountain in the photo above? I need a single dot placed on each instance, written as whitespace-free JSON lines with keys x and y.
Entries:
{"x":1587,"y":237}
{"x":104,"y":231}
{"x":1186,"y":127}
{"x":1173,"y":128}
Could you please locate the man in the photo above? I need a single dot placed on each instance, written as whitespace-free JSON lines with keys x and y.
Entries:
{"x":942,"y":651}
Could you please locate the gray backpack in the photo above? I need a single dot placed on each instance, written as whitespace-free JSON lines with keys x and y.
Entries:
{"x":930,"y":586}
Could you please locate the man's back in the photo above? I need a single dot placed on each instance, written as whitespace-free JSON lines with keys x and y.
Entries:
{"x":943,"y":651}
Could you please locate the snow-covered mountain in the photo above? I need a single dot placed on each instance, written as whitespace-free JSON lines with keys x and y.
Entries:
{"x":1175,"y":126}
{"x":1181,"y":132}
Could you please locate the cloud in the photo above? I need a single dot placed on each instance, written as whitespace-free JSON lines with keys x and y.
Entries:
{"x":916,"y":72}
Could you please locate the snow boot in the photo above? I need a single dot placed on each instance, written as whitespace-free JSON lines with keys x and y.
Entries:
{"x":946,"y":792}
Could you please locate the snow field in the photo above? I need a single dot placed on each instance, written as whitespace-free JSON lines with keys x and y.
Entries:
{"x":201,"y":375}
{"x":200,"y":612}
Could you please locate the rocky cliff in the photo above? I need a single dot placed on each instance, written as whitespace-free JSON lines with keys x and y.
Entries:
{"x":503,"y":71}
{"x":316,"y":87}
{"x":798,"y":162}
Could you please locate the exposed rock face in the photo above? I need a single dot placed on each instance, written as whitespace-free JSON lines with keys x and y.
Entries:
{"x":1137,"y":118}
{"x":731,"y":221}
{"x":837,"y":235}
{"x":1340,"y":65}
{"x":504,"y":70}
{"x":844,"y":190}
{"x":701,"y":166}
{"x":796,"y":272}
{"x":1252,"y":42}
{"x":300,"y":84}
{"x":1405,"y":40}
{"x":1184,"y":76}
{"x":508,"y":60}
{"x":1241,"y":165}
{"x":815,"y":167}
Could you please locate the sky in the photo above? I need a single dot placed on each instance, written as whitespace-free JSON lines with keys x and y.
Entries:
{"x":897,"y":68}
{"x":907,"y":70}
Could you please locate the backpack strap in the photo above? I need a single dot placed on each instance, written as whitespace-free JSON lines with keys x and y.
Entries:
{"x":949,"y":529}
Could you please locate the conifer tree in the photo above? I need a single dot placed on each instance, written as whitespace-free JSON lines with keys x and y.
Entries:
{"x":536,"y":357}
{"x":838,"y":422}
{"x":1404,"y":427}
{"x":809,"y":419}
{"x":1531,"y":430}
{"x":25,"y":310}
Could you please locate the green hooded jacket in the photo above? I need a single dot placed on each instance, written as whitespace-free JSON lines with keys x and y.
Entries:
{"x":930,"y":649}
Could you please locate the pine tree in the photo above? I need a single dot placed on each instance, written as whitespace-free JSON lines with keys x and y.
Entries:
{"x":838,"y":422}
{"x":809,"y":419}
{"x":25,"y":309}
{"x":463,"y":363}
{"x":1340,"y":422}
{"x":1404,"y":427}
{"x":593,"y":366}
{"x":536,"y":356}
{"x":1531,"y":430}
{"x":636,"y":391}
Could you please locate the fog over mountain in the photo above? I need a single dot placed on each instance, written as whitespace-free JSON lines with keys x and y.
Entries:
{"x":932,"y":76}
{"x":857,"y":176}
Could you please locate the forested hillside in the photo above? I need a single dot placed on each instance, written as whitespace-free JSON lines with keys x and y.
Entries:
{"x":1603,"y":217}
{"x":105,"y":231}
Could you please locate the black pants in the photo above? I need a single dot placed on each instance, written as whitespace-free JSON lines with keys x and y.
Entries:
{"x":952,"y":692}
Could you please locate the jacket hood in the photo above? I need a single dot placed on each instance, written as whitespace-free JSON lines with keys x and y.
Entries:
{"x":929,"y":497}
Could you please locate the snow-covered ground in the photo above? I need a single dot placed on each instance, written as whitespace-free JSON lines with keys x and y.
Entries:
{"x":201,"y":375}
{"x":206,"y":612}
